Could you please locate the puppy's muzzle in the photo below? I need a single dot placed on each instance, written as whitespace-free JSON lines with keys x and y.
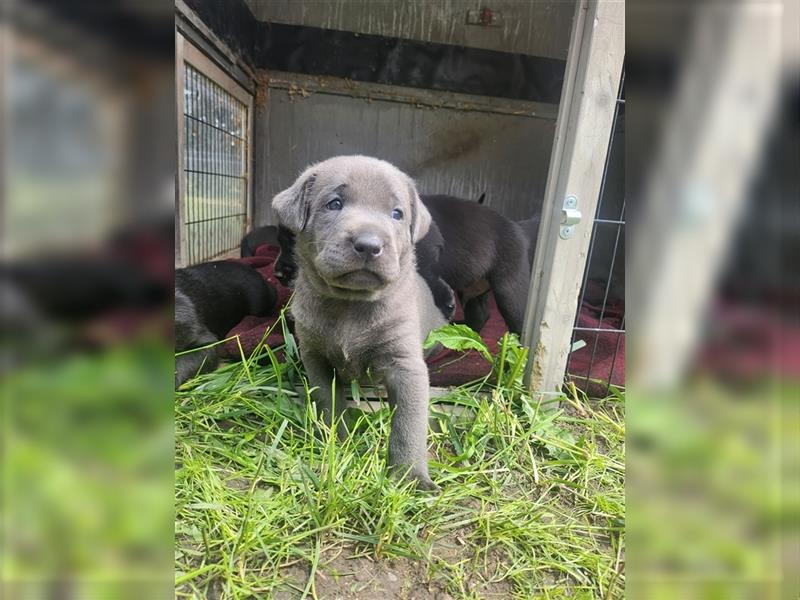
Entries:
{"x":361,"y":259}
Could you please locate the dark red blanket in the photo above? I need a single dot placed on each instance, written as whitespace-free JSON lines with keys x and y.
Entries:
{"x":451,"y":368}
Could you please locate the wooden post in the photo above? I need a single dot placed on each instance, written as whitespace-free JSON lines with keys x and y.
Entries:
{"x":580,"y":147}
{"x":698,"y":188}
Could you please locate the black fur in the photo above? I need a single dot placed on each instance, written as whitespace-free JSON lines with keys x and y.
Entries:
{"x":210,"y":299}
{"x":257,"y":237}
{"x":285,"y":268}
{"x":428,"y":251}
{"x":482,"y":244}
{"x":78,"y":288}
{"x":476,"y":301}
{"x":476,"y":306}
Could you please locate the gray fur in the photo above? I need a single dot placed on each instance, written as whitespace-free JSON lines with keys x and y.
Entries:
{"x":356,"y":311}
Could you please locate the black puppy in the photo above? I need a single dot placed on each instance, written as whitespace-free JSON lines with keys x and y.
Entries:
{"x":258,"y":236}
{"x":210,"y":299}
{"x":48,"y":306}
{"x":285,"y":268}
{"x":475,"y":298}
{"x":74,"y":289}
{"x":481,"y":244}
{"x":428,"y":251}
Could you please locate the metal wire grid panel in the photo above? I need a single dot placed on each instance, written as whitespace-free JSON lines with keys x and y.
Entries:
{"x":598,"y":338}
{"x":215,"y":168}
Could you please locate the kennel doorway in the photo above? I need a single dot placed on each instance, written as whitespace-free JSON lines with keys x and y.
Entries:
{"x":214,"y":159}
{"x":518,"y":106}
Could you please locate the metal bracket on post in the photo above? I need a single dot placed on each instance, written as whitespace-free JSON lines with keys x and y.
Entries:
{"x":571,"y":217}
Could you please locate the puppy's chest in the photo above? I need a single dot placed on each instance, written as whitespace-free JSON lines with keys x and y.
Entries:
{"x":351,"y":345}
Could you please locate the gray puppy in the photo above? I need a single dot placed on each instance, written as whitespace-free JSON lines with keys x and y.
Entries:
{"x":359,"y":302}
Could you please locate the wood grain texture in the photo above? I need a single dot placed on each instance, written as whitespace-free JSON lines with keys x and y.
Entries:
{"x":583,"y":129}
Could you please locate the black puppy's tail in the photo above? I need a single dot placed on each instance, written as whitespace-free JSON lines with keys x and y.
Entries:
{"x":482,"y":198}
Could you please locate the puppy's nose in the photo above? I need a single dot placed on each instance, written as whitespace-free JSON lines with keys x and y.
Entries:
{"x":368,"y":244}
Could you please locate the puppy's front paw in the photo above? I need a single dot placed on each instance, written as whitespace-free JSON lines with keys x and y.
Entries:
{"x":425,"y":483}
{"x":419,"y":477}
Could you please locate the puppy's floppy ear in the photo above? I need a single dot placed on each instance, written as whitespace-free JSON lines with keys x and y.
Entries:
{"x":420,"y":217}
{"x":293,"y":205}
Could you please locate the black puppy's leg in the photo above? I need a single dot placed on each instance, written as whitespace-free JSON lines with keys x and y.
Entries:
{"x":192,"y":364}
{"x":476,"y":311}
{"x":510,"y":287}
{"x":407,"y":386}
{"x":191,"y":333}
{"x":329,"y":398}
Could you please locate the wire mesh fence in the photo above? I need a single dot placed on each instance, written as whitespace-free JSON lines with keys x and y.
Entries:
{"x":215,"y":168}
{"x":598,"y":339}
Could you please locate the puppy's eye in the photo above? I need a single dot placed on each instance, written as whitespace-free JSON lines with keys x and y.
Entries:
{"x":397,"y":214}
{"x":335,"y":204}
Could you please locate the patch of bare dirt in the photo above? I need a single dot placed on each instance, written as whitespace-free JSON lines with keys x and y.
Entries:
{"x":363,"y":578}
{"x":345,"y":577}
